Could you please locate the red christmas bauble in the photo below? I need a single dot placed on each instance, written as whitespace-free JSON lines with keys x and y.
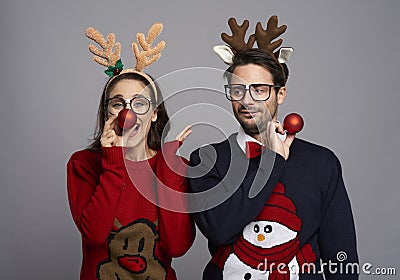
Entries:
{"x":293,"y":123}
{"x":126,"y":119}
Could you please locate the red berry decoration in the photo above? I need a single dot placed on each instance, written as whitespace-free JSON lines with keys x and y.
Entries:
{"x":293,"y":123}
{"x":126,"y":119}
{"x":116,"y":71}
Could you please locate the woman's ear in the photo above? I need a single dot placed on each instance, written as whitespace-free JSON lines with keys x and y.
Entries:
{"x":154,"y":115}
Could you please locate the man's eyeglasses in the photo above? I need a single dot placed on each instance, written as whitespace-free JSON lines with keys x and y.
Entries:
{"x":259,"y":92}
{"x":139,"y":104}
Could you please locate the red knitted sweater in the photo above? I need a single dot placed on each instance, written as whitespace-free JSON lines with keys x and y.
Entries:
{"x":124,"y":235}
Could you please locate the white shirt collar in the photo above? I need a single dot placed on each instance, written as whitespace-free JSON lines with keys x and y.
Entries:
{"x":242,"y":138}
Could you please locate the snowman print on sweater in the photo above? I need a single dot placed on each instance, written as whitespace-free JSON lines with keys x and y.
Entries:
{"x":269,"y":247}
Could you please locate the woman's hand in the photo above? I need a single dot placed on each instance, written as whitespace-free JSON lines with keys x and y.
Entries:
{"x":109,"y":138}
{"x":184,"y":133}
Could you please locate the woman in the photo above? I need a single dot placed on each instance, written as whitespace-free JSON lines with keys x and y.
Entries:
{"x":124,"y":235}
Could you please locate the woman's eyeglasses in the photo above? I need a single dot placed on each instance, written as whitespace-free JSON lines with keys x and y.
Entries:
{"x":139,"y":104}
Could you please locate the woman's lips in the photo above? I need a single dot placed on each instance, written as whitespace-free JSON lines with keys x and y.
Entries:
{"x":134,"y":130}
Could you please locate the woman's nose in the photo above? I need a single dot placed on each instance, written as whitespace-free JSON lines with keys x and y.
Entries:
{"x":128,"y":105}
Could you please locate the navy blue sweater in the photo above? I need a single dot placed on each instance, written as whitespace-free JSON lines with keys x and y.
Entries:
{"x":295,"y":212}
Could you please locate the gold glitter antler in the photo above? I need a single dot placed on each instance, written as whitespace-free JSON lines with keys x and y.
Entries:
{"x":148,"y":55}
{"x":264,"y":37}
{"x":106,"y":56}
{"x":237,"y":41}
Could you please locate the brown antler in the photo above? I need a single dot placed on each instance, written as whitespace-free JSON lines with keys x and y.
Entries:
{"x":106,"y":56}
{"x":237,"y":41}
{"x":148,"y":55}
{"x":264,"y":37}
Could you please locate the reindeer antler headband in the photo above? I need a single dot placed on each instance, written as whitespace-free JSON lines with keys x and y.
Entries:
{"x":263,"y":37}
{"x":109,"y":54}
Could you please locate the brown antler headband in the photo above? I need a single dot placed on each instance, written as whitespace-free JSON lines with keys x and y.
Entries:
{"x":109,"y":57}
{"x":237,"y":41}
{"x":148,"y":55}
{"x":109,"y":53}
{"x":106,"y":57}
{"x":263,"y":37}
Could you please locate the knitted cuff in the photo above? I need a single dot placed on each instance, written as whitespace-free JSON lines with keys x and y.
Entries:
{"x":271,"y":160}
{"x":278,"y":165}
{"x":113,"y":155}
{"x":170,"y":148}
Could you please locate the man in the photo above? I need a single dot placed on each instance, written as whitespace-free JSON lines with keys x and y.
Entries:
{"x":286,"y":213}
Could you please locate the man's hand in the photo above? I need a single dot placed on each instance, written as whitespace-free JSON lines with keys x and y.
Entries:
{"x":272,"y":141}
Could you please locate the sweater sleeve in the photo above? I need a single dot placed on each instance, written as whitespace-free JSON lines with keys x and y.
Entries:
{"x":177,"y":231}
{"x":223,"y":223}
{"x":337,"y":236}
{"x":93,"y":201}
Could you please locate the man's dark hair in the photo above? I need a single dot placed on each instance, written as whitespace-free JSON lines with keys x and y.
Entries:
{"x":279,"y":71}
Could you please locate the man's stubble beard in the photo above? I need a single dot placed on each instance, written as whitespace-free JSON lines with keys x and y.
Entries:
{"x":259,"y":125}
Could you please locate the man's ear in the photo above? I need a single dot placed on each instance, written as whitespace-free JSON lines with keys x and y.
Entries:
{"x":281,"y":95}
{"x":154,"y":116}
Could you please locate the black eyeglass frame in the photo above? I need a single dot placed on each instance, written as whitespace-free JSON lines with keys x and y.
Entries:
{"x":247,"y":88}
{"x":129,"y":101}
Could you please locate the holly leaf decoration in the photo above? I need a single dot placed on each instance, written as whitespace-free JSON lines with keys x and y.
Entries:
{"x":114,"y":70}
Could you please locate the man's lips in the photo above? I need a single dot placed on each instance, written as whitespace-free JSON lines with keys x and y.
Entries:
{"x":248,"y":113}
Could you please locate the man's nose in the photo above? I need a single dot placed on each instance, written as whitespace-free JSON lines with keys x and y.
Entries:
{"x":247,"y":99}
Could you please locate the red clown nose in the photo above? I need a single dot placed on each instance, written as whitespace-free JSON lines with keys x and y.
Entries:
{"x":293,"y":123}
{"x":126,"y":119}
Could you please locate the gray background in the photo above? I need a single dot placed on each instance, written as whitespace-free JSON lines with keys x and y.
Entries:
{"x":344,"y":76}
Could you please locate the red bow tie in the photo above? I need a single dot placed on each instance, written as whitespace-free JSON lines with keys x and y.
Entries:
{"x":253,"y":149}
